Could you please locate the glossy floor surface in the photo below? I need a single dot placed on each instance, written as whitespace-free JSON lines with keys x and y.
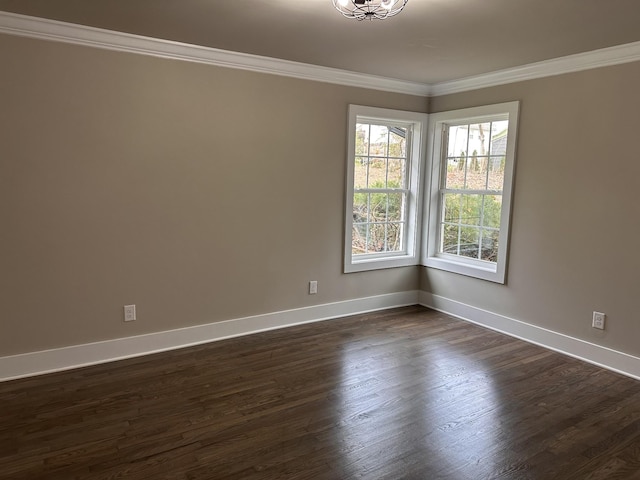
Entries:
{"x":402,"y":394}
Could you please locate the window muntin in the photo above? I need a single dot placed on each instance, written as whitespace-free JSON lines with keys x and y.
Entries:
{"x":380,"y":189}
{"x":471,"y":189}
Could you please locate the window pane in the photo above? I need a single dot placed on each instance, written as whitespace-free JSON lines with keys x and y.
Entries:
{"x":394,"y":237}
{"x":476,"y":172}
{"x":360,"y":172}
{"x":360,"y":210}
{"x":489,"y":245}
{"x":397,"y":143}
{"x":499,"y":132}
{"x":479,"y":138}
{"x":396,"y":174}
{"x":458,"y":137}
{"x":377,"y":172}
{"x":452,"y":207}
{"x":376,"y":238}
{"x":450,"y":239}
{"x":396,"y":207}
{"x":496,"y":173}
{"x":455,"y":172}
{"x":471,"y":209}
{"x":377,"y":207}
{"x":379,"y":140}
{"x":362,"y":139}
{"x":359,"y":238}
{"x":469,"y":242}
{"x":492,"y":211}
{"x":498,"y":152}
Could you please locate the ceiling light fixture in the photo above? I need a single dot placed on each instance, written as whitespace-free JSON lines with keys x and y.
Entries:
{"x":369,"y":9}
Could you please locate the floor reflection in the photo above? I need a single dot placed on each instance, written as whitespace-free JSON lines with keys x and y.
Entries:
{"x":444,"y":402}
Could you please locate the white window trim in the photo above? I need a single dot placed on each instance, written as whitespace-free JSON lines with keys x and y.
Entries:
{"x":452,"y":263}
{"x":415,"y":181}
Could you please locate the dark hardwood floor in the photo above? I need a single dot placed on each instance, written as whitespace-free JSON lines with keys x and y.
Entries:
{"x":402,"y":394}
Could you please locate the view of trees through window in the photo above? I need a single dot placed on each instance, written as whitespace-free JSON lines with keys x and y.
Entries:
{"x":472,"y":189}
{"x":380,"y":189}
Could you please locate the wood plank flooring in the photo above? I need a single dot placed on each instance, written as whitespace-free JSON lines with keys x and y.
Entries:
{"x":403,"y":394}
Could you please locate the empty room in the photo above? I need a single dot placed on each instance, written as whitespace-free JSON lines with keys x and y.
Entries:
{"x":319,"y":239}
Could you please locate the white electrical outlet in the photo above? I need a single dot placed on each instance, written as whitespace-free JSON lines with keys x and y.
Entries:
{"x":313,"y":287}
{"x":129,"y":313}
{"x":598,"y":320}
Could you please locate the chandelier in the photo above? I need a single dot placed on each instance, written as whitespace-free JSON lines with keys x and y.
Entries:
{"x":369,"y":9}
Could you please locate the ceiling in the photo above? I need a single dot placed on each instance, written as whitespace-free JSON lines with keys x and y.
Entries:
{"x":431,"y":41}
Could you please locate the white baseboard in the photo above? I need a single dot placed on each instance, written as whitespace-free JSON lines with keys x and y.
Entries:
{"x":589,"y":352}
{"x":48,"y":361}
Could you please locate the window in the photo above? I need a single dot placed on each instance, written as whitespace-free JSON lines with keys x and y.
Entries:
{"x":469,"y":201}
{"x":467,"y":205}
{"x":383,"y":177}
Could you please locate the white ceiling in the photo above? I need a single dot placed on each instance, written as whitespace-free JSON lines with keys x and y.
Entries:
{"x":431,"y":41}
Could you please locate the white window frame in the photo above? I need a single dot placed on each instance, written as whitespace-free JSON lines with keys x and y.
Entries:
{"x":495,"y":272}
{"x":415,"y":158}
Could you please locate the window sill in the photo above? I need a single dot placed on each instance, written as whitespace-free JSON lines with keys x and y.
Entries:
{"x":489,"y":272}
{"x":380,"y":263}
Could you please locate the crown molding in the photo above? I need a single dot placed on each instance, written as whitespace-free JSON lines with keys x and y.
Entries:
{"x":53,"y":30}
{"x":604,"y":57}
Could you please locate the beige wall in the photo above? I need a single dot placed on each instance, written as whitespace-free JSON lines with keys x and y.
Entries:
{"x":576,"y":212}
{"x":202,"y":194}
{"x":198,"y":193}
